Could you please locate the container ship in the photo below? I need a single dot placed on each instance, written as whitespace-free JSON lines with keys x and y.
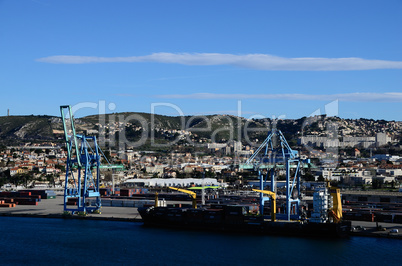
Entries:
{"x":324,"y":221}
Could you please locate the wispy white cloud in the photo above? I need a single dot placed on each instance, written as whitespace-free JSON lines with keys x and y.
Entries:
{"x":253,"y":61}
{"x":346,"y":97}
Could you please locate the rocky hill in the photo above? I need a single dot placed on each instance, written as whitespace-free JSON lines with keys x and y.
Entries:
{"x":16,"y":129}
{"x":133,"y":127}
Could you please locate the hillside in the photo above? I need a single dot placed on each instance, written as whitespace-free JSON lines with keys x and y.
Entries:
{"x":135,"y":127}
{"x":16,"y":129}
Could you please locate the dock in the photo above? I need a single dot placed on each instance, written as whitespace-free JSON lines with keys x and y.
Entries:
{"x":53,"y":208}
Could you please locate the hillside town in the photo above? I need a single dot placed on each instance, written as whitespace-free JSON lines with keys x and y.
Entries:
{"x":44,"y":164}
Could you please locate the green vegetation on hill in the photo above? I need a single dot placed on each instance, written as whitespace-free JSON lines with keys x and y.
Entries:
{"x":25,"y":128}
{"x":135,"y":127}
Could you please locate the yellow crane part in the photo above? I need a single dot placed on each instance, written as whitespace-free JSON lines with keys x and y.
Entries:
{"x":272,"y":196}
{"x":337,"y":203}
{"x":192,"y":194}
{"x":156,"y":199}
{"x":336,"y":211}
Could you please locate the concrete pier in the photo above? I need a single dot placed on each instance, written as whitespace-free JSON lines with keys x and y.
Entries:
{"x":54,"y":208}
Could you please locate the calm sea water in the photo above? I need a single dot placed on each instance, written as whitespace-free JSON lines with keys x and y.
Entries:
{"x":38,"y":241}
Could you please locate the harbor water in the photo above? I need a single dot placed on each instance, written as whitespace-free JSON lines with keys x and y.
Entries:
{"x":45,"y":241}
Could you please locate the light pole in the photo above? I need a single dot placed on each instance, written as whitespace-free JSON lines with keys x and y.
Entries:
{"x":203,"y":190}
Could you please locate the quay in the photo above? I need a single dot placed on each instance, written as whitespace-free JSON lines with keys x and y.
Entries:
{"x":53,"y":208}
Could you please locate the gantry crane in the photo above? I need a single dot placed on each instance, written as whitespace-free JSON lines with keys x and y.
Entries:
{"x":276,"y":156}
{"x":82,"y":171}
{"x":192,"y":194}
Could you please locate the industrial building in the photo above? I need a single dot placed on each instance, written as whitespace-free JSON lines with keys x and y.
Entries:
{"x":174,"y":182}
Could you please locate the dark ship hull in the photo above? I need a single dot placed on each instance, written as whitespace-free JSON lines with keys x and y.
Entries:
{"x":234,"y":221}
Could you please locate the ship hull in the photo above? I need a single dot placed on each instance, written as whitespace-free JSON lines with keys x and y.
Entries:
{"x":217,"y":220}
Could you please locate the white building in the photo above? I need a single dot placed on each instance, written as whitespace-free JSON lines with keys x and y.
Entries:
{"x":382,"y":139}
{"x":173,"y":182}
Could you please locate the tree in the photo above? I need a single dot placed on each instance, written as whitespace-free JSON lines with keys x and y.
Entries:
{"x":3,"y":181}
{"x":210,"y":174}
{"x":180,"y":174}
{"x":4,"y":177}
{"x":50,"y":179}
{"x":21,"y":179}
{"x":108,"y":176}
{"x":377,"y":183}
{"x":38,"y":151}
{"x":196,"y":174}
{"x":61,"y":167}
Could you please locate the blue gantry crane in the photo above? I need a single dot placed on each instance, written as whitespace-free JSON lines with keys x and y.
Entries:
{"x":272,"y":156}
{"x":82,"y":168}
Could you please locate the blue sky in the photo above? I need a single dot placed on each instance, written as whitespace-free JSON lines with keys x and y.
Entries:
{"x":249,"y":58}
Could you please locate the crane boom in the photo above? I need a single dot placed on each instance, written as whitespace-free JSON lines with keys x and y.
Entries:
{"x":192,"y":194}
{"x":272,"y":196}
{"x":72,"y":144}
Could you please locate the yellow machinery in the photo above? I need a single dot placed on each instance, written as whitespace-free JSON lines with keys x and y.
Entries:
{"x":193,"y":195}
{"x":337,"y":204}
{"x":156,"y":199}
{"x":272,"y":197}
{"x":336,"y":211}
